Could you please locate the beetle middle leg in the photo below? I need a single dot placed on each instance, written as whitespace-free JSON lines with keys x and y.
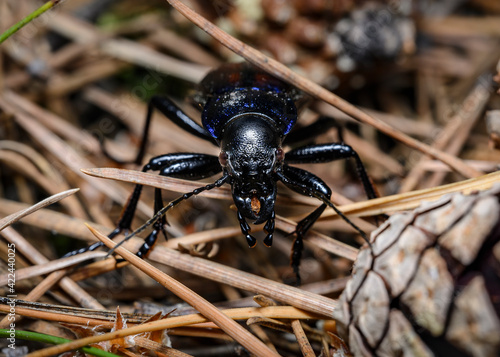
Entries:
{"x":306,"y":134}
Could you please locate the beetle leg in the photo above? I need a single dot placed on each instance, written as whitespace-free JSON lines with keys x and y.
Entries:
{"x":330,"y":152}
{"x":218,"y":183}
{"x":158,"y":226}
{"x":179,"y":165}
{"x":308,"y":184}
{"x":309,"y":132}
{"x":171,"y":111}
{"x":304,"y":183}
{"x":178,"y":117}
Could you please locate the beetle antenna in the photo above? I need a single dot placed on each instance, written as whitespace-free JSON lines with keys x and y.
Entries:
{"x":329,"y":203}
{"x":172,"y":204}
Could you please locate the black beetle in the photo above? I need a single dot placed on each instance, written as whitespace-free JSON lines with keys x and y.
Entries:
{"x":248,"y":114}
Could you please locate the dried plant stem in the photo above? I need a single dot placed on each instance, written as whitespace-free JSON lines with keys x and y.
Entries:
{"x":304,"y":344}
{"x":413,"y":199}
{"x":214,"y":271}
{"x":4,"y":222}
{"x":68,"y":285}
{"x":106,"y":318}
{"x":229,"y":326}
{"x":463,"y":120}
{"x":279,"y":70}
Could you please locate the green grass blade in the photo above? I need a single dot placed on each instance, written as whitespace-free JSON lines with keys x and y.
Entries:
{"x":40,"y":337}
{"x":16,"y":27}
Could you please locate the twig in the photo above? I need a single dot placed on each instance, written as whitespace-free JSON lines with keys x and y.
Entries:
{"x":214,"y":271}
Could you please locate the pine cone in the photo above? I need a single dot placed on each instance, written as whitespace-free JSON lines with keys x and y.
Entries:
{"x":429,"y":285}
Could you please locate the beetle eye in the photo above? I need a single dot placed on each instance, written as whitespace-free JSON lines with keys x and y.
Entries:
{"x":280,"y":154}
{"x":223,"y":158}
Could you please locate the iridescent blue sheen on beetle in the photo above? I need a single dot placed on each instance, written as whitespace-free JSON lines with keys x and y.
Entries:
{"x":229,"y":93}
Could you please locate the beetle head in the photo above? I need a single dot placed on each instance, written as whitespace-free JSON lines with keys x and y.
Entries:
{"x":251,"y":154}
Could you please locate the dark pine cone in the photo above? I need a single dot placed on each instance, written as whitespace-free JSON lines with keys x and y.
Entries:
{"x":430,"y":283}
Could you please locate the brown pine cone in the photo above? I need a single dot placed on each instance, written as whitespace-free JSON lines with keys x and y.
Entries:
{"x":429,"y":285}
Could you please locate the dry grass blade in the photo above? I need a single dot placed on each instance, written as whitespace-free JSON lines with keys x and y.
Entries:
{"x":286,"y":294}
{"x":4,"y":222}
{"x":51,"y":220}
{"x":281,"y":71}
{"x":304,"y":344}
{"x":105,"y":318}
{"x":410,"y":200}
{"x":225,"y":323}
{"x":154,"y":180}
{"x":50,"y":267}
{"x":204,"y":307}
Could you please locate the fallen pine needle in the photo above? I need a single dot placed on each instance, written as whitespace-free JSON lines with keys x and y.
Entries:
{"x":6,"y":221}
{"x":231,"y":327}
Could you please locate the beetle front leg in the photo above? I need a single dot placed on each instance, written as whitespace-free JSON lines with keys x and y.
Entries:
{"x":323,"y":153}
{"x":308,"y":184}
{"x":181,"y":165}
{"x":158,"y":226}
